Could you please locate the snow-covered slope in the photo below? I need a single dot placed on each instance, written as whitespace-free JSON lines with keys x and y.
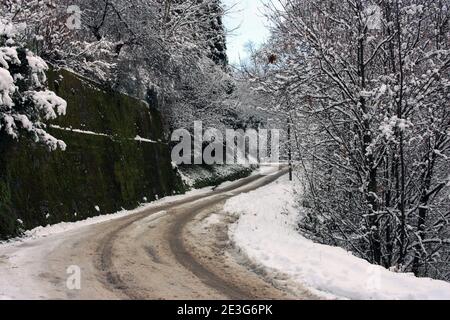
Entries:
{"x":266,"y":234}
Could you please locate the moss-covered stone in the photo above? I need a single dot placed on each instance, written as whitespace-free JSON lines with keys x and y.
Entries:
{"x":111,"y":171}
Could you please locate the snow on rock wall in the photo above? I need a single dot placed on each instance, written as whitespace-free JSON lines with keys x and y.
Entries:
{"x":115,"y":159}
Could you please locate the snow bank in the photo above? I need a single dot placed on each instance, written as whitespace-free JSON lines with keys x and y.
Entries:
{"x":266,"y":233}
{"x":42,"y":232}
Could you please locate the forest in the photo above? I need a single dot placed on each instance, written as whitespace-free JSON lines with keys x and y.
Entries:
{"x":365,"y":87}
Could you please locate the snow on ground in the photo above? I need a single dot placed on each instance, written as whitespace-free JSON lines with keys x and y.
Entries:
{"x":212,"y":220}
{"x":21,"y":258}
{"x":55,"y":229}
{"x":42,"y":232}
{"x":266,"y":234}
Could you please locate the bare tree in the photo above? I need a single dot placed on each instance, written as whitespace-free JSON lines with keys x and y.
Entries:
{"x":369,"y":86}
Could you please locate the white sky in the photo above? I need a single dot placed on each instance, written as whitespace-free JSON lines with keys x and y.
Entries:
{"x":247,"y":15}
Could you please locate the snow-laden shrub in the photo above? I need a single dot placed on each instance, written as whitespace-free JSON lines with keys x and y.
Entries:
{"x":24,"y":100}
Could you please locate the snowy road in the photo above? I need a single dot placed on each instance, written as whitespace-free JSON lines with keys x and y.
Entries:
{"x":170,"y":251}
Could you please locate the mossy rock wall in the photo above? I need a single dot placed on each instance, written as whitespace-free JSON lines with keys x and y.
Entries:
{"x":106,"y":172}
